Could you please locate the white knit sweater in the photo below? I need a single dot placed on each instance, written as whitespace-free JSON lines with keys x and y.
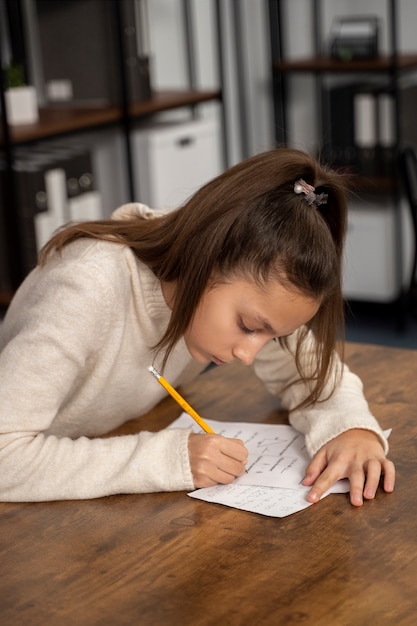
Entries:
{"x":75,"y":346}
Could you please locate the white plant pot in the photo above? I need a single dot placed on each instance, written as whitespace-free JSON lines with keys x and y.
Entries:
{"x":21,"y":105}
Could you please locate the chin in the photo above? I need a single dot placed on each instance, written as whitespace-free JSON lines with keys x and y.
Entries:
{"x":200,"y":358}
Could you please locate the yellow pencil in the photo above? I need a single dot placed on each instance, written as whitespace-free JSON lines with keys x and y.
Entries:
{"x":183,"y":403}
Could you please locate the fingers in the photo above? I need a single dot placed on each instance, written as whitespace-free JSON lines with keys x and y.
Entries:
{"x":389,"y":476}
{"x":325,"y":480}
{"x":364,"y":482}
{"x":332,"y":474}
{"x":315,"y":468}
{"x":357,"y":481}
{"x":234,"y":448}
{"x":215,"y":459}
{"x":364,"y":478}
{"x":372,"y":479}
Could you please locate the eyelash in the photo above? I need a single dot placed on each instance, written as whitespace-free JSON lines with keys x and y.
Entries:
{"x":248,"y":331}
{"x":244,"y":328}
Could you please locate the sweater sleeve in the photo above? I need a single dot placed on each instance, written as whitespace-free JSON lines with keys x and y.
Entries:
{"x":344,"y":409}
{"x":36,"y":467}
{"x":38,"y":370}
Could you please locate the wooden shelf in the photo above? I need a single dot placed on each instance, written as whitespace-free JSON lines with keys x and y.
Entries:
{"x":376,"y":184}
{"x":319,"y":65}
{"x":166,"y":100}
{"x":59,"y":120}
{"x":370,"y":184}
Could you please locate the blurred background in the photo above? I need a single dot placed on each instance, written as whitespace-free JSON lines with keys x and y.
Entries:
{"x":109,"y":101}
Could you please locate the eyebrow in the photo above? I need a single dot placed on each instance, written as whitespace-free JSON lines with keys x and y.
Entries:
{"x":266,"y":325}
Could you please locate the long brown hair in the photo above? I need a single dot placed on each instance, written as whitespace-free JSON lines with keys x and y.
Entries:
{"x":247,"y":222}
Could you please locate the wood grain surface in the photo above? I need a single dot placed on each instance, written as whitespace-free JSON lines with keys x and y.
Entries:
{"x":166,"y":559}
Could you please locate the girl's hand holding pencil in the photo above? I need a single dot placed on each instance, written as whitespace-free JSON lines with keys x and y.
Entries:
{"x":213,"y":459}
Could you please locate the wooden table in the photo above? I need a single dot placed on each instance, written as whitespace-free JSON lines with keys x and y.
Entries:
{"x":167,"y":559}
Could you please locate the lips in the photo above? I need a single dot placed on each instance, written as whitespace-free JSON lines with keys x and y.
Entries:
{"x":217,"y":361}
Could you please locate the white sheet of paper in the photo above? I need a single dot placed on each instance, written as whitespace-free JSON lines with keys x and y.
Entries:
{"x":277,"y":453}
{"x":275,"y":502}
{"x":277,"y":461}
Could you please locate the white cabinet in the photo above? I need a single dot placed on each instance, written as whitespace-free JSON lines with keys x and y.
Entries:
{"x":171,"y":161}
{"x":372,"y":270}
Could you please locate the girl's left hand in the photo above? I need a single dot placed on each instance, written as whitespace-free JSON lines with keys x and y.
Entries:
{"x":357,"y":455}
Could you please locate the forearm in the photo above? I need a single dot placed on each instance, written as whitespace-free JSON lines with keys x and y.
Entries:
{"x":40,"y":468}
{"x":345,"y":409}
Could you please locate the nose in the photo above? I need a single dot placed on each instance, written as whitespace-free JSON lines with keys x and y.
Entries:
{"x":247,"y":350}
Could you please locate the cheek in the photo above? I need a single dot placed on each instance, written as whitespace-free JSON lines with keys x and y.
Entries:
{"x":208,"y":325}
{"x":198,"y":329}
{"x":205,"y":323}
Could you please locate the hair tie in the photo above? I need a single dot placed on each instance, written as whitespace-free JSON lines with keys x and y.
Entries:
{"x":300,"y":186}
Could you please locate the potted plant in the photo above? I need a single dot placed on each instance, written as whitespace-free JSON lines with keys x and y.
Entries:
{"x":21,"y":100}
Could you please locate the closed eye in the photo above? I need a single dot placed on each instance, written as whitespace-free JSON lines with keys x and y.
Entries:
{"x":245,"y":329}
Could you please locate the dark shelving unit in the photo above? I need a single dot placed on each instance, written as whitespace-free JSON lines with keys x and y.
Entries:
{"x":64,"y":120}
{"x":391,"y":66}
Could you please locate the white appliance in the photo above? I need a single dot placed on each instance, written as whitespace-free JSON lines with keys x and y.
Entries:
{"x":377,"y":259}
{"x":172,"y":160}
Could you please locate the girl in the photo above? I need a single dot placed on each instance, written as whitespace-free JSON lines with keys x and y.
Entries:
{"x":249,"y":269}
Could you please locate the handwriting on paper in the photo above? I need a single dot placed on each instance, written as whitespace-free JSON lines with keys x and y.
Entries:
{"x":277,"y":453}
{"x":270,"y":501}
{"x":276,"y":464}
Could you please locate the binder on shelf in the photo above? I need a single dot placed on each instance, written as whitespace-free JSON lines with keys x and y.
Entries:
{"x":408,"y":106}
{"x":339,"y":146}
{"x":47,"y":223}
{"x":31,"y":207}
{"x":30,"y":201}
{"x":361,"y":131}
{"x":386,"y":132}
{"x":365,"y":116}
{"x":55,"y":186}
{"x":55,"y":213}
{"x":361,"y":128}
{"x":83,"y":199}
